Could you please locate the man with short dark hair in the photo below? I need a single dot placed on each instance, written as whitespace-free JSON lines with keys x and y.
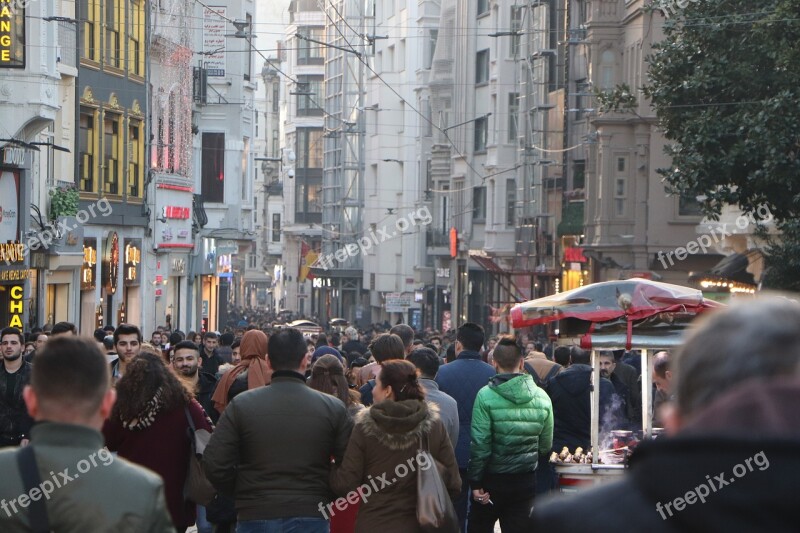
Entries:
{"x":462,"y":379}
{"x":260,"y":429}
{"x":209,"y":358}
{"x":15,"y":423}
{"x":512,"y":426}
{"x":186,"y":362}
{"x":69,"y":397}
{"x":127,"y":343}
{"x":64,"y":328}
{"x":427,"y":363}
{"x":406,"y":335}
{"x":384,"y":347}
{"x":570,"y":392}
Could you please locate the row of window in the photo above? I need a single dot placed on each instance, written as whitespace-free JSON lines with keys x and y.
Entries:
{"x":113,"y":34}
{"x":111,"y":148}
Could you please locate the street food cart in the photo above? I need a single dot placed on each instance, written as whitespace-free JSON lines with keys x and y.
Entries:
{"x":627,"y":314}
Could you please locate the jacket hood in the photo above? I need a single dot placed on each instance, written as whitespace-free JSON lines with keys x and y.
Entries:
{"x":575,"y":379}
{"x":516,"y":388}
{"x":398,"y":425}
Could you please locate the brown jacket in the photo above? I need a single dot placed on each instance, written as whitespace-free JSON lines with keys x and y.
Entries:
{"x":541,"y":364}
{"x":381,"y":458}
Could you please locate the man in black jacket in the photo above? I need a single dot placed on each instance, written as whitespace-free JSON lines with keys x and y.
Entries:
{"x":15,"y":422}
{"x":186,"y":362}
{"x":731,"y":462}
{"x":286,"y":434}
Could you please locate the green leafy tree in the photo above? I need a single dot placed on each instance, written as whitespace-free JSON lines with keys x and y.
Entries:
{"x":725,"y":84}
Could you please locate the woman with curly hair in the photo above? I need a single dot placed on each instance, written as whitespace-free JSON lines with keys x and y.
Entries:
{"x":384,"y":444}
{"x":148,"y":426}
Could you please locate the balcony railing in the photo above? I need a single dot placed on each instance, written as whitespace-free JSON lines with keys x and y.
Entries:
{"x":67,"y":47}
{"x":436,"y":237}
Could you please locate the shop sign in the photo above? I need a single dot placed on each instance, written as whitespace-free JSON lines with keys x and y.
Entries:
{"x":12,"y":34}
{"x":9,"y":206}
{"x":14,"y":156}
{"x":15,"y":306}
{"x":111,"y":263}
{"x":397,"y":302}
{"x":12,"y":252}
{"x":133,"y":256}
{"x":87,"y":270}
{"x":176,"y":212}
{"x":14,"y":275}
{"x":178,"y":267}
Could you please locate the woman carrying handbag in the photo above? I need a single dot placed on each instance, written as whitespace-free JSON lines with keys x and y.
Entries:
{"x":384,"y":456}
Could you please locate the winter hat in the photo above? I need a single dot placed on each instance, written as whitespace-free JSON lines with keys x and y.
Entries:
{"x":325,"y":350}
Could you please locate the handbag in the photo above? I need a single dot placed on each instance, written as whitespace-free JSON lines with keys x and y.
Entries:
{"x":435,"y":511}
{"x":197,"y":488}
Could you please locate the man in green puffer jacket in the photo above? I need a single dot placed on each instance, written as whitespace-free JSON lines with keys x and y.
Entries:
{"x":512,"y":423}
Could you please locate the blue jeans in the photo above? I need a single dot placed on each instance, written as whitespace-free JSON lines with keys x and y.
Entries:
{"x":299,"y":524}
{"x":203,"y":525}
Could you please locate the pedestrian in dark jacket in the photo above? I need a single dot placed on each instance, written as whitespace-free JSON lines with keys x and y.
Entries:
{"x":15,"y":373}
{"x":272,"y":447}
{"x":384,"y":347}
{"x":512,"y":425}
{"x":70,"y":395}
{"x":570,"y":392}
{"x":186,"y":362}
{"x":427,"y":363}
{"x":149,"y":426}
{"x":462,"y":379}
{"x":384,"y":446}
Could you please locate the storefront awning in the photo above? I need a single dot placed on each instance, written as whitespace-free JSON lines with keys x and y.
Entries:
{"x":732,"y":269}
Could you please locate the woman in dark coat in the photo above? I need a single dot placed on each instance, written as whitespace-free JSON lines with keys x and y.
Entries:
{"x":148,"y":426}
{"x":382,"y":455}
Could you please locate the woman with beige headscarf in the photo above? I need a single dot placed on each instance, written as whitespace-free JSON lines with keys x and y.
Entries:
{"x":252,"y":372}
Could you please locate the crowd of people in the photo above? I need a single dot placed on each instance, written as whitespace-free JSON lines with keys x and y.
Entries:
{"x":326,"y":432}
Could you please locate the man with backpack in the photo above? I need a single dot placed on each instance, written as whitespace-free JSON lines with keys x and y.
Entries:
{"x":540,"y":367}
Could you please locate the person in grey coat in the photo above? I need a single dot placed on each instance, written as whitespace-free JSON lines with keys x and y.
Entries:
{"x":81,"y":486}
{"x":427,"y":363}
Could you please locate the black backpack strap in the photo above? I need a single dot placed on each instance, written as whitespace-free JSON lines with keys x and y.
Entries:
{"x":37,"y":515}
{"x":553,"y":371}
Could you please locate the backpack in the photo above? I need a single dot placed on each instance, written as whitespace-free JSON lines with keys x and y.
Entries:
{"x":541,"y":383}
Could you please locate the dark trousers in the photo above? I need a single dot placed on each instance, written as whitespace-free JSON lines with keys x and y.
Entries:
{"x":513,"y":507}
{"x":463,"y":501}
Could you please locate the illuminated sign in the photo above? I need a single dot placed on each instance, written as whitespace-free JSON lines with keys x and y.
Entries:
{"x":14,"y":275}
{"x":12,"y":252}
{"x":111,"y":263}
{"x":16,"y":306}
{"x":175,"y":212}
{"x":87,"y":271}
{"x":12,"y":35}
{"x":133,"y":256}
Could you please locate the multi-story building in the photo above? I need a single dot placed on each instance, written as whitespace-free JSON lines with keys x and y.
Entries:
{"x":37,"y":77}
{"x":267,"y":190}
{"x":223,"y":119}
{"x":493,"y":184}
{"x":629,"y":218}
{"x":110,"y":163}
{"x":170,"y":185}
{"x":302,"y":158}
{"x":396,"y":145}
